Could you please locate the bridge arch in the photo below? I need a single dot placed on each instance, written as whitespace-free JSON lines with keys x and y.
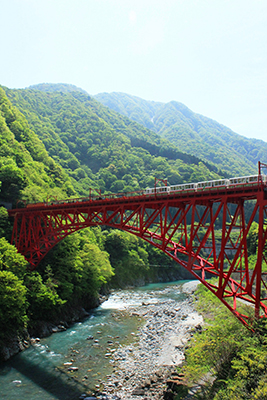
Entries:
{"x":204,"y":231}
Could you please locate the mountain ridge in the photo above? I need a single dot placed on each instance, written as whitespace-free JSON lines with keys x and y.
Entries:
{"x":101,"y":149}
{"x":190,"y":132}
{"x":173,"y":122}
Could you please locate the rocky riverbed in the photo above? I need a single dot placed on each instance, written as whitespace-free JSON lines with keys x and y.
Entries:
{"x":127,"y":348}
{"x":146,"y":368}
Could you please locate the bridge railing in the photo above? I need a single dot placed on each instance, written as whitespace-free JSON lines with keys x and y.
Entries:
{"x":225,"y":184}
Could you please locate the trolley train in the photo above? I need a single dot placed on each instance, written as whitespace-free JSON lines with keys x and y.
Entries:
{"x":184,"y":187}
{"x":220,"y":183}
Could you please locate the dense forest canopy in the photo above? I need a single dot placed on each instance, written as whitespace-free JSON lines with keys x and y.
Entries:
{"x":191,"y":133}
{"x":26,"y":170}
{"x":56,"y":145}
{"x":56,"y":141}
{"x":99,"y":148}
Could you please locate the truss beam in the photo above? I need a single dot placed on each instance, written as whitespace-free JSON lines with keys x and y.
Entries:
{"x":205,"y":233}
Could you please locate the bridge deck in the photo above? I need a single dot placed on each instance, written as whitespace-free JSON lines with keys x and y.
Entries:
{"x":237,"y":193}
{"x":205,"y":230}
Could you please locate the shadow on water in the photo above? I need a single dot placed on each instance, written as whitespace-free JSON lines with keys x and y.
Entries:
{"x":58,"y":383}
{"x":40,"y":373}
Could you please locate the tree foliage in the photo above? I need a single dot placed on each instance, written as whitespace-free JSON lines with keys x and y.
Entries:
{"x":44,"y":301}
{"x":192,"y":133}
{"x":79,"y":266}
{"x":229,"y":359}
{"x":99,"y":148}
{"x":27,"y":172}
{"x":13,"y":303}
{"x":58,"y":142}
{"x":13,"y":293}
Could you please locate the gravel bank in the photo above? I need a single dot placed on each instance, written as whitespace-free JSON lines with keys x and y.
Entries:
{"x":142,"y":369}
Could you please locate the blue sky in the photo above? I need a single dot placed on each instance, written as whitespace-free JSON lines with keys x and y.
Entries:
{"x":210,"y":55}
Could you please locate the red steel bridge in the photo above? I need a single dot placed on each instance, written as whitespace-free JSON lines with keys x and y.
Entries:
{"x":203,"y":227}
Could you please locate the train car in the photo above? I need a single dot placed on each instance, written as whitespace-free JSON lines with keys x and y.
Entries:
{"x":182,"y":187}
{"x":213,"y":184}
{"x":219,"y":183}
{"x":158,"y":189}
{"x":244,"y":180}
{"x":149,"y":190}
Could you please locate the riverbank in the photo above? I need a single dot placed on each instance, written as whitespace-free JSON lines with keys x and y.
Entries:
{"x":127,"y":348}
{"x":16,"y":343}
{"x":144,"y":368}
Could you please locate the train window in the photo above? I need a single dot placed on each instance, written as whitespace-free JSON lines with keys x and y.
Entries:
{"x":177,"y":188}
{"x":253,"y":178}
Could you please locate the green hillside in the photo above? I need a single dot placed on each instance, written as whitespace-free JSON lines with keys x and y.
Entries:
{"x":60,"y":144}
{"x":26,"y":170}
{"x":99,"y":148}
{"x":56,"y":140}
{"x":57,"y":87}
{"x":191,"y":133}
{"x":75,"y":270}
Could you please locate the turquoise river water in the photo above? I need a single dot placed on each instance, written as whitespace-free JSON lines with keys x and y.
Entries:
{"x":41,"y":371}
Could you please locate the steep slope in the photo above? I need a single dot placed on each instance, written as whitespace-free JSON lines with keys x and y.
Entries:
{"x":101,"y":149}
{"x":135,"y":108}
{"x":26,"y":170}
{"x":191,"y":132}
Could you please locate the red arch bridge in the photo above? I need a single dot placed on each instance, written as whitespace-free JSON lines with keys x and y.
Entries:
{"x":203,"y":227}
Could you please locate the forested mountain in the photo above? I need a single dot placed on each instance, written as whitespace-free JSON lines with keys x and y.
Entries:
{"x":99,"y":148}
{"x":58,"y":144}
{"x":191,"y":133}
{"x":26,"y":170}
{"x":28,"y":173}
{"x":57,"y":87}
{"x":57,"y":141}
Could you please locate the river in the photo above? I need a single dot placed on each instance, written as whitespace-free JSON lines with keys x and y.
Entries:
{"x":102,"y":352}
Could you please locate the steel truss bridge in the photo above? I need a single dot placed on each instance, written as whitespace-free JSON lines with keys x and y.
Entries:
{"x":204,"y":231}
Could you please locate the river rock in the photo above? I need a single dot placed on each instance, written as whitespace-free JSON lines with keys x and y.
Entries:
{"x":89,"y":398}
{"x":13,"y":345}
{"x":138,"y":392}
{"x":61,"y":328}
{"x":145,"y":365}
{"x":190,"y":287}
{"x":73,"y":369}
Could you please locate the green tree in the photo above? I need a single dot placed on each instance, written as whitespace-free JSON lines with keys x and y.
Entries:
{"x":79,"y":265}
{"x":13,"y":180}
{"x":128,"y":257}
{"x":5,"y":227}
{"x":13,"y":302}
{"x":11,"y":260}
{"x":44,"y":302}
{"x":97,"y":270}
{"x":229,"y":359}
{"x":252,"y":238}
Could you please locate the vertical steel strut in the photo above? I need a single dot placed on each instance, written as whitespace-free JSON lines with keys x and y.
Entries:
{"x":205,"y":232}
